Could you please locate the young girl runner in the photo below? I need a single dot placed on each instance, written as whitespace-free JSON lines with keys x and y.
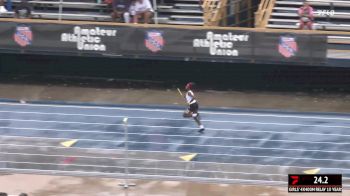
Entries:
{"x":192,"y":110}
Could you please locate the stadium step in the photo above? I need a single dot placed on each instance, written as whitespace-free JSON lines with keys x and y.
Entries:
{"x":319,"y":26}
{"x":285,"y":14}
{"x":182,"y":17}
{"x":341,"y":15}
{"x":188,"y":1}
{"x":72,"y":16}
{"x":286,"y":9}
{"x":288,"y":3}
{"x":185,"y":23}
{"x":337,"y":27}
{"x":165,"y":6}
{"x":163,"y":20}
{"x":314,"y":3}
{"x":283,"y":20}
{"x":195,"y":6}
{"x":275,"y":26}
{"x":181,"y":11}
{"x":65,"y":3}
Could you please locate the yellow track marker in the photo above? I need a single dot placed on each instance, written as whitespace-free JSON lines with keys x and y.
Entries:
{"x":188,"y":157}
{"x":68,"y":143}
{"x":312,"y":171}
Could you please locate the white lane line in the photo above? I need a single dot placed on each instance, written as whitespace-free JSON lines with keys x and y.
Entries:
{"x":62,"y":138}
{"x":277,"y":157}
{"x":143,"y":168}
{"x":239,"y":147}
{"x":235,"y":138}
{"x":237,"y":122}
{"x":306,"y":116}
{"x":143,"y":176}
{"x":121,"y":132}
{"x":113,"y":152}
{"x":99,"y":150}
{"x":207,"y":137}
{"x":121,"y":116}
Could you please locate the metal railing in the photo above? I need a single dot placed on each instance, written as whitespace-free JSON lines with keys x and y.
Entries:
{"x":263,"y":14}
{"x":18,"y":156}
{"x":223,"y":12}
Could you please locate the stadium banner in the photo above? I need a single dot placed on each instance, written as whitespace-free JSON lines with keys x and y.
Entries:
{"x":150,"y":42}
{"x":297,"y":48}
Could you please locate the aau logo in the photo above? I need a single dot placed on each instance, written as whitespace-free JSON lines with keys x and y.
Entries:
{"x":287,"y":46}
{"x":154,"y":41}
{"x":23,"y":35}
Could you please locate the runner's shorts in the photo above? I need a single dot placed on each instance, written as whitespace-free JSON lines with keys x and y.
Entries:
{"x":193,"y":108}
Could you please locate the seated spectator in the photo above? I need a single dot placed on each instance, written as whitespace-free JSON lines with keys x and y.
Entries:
{"x":3,"y":194}
{"x":9,"y":5}
{"x":2,"y":7}
{"x":23,"y":10}
{"x":141,"y":9}
{"x":120,"y":10}
{"x":306,"y":15}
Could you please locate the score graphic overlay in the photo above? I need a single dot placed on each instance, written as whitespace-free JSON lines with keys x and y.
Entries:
{"x":319,"y":183}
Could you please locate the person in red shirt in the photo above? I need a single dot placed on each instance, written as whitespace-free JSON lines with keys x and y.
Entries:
{"x":306,"y":14}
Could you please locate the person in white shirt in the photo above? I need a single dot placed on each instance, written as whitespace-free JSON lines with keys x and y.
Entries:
{"x":141,"y":9}
{"x":2,"y":7}
{"x":192,"y":110}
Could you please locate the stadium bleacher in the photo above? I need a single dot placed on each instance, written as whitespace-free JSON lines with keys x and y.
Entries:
{"x":182,"y":12}
{"x":189,"y":12}
{"x":329,"y":14}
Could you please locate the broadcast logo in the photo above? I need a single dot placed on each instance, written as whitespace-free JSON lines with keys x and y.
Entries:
{"x":287,"y":46}
{"x":315,"y":183}
{"x":23,"y":35}
{"x":154,"y":41}
{"x":295,"y":179}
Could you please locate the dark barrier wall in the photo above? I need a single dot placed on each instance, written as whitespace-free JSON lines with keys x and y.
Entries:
{"x":165,"y":43}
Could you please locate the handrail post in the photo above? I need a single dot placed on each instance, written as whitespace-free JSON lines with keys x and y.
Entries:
{"x":126,"y":185}
{"x":155,"y":8}
{"x":60,"y":9}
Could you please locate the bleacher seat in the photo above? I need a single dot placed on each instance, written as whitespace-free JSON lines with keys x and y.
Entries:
{"x":183,"y":12}
{"x":186,"y":12}
{"x":285,"y":14}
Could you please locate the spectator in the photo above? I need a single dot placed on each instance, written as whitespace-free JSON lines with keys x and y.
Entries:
{"x":23,"y":194}
{"x":306,"y":15}
{"x":141,"y":9}
{"x":9,"y":5}
{"x":23,"y":10}
{"x":200,"y":3}
{"x":120,"y":10}
{"x":3,"y":194}
{"x":2,"y":7}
